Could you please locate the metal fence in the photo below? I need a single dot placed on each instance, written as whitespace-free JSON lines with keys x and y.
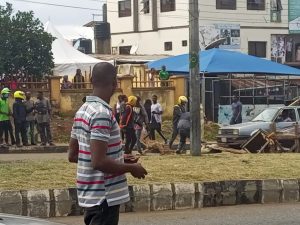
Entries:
{"x":33,"y":84}
{"x":251,"y":90}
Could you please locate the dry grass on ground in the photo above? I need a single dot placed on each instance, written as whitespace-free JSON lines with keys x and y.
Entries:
{"x":61,"y":128}
{"x":59,"y":173}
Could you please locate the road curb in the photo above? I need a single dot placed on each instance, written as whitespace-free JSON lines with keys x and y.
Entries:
{"x":156,"y":197}
{"x":34,"y":149}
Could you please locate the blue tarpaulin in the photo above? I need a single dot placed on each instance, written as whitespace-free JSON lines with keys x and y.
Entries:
{"x":219,"y":61}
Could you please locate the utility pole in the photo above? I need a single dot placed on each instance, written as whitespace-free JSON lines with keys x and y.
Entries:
{"x":194,"y":78}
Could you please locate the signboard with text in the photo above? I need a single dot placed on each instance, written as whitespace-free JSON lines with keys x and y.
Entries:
{"x":229,"y":32}
{"x":294,"y":16}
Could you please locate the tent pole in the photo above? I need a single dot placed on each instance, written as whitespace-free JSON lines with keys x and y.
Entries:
{"x":253,"y":90}
{"x":230,"y":87}
{"x":203,"y":102}
{"x":284,"y":98}
{"x":266,"y":89}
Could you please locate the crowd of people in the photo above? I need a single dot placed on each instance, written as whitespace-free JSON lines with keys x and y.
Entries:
{"x":20,"y":81}
{"x":134,"y":117}
{"x":26,"y":116}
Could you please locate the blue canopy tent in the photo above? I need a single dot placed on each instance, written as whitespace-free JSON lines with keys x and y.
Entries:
{"x":223,"y":62}
{"x":219,"y":61}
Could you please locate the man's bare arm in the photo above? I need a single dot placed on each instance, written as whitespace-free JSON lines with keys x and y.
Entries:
{"x":73,"y":150}
{"x":101,"y":162}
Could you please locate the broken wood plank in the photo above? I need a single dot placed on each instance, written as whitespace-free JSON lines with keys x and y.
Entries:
{"x":225,"y":149}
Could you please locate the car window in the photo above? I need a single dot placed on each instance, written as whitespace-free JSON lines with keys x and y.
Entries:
{"x":267,"y":115}
{"x":286,"y":115}
{"x":298,"y":110}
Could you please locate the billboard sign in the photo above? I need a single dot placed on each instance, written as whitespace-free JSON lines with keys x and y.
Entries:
{"x":230,"y":32}
{"x":294,"y":16}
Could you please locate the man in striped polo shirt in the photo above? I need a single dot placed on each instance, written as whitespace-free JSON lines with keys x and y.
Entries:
{"x":95,"y":146}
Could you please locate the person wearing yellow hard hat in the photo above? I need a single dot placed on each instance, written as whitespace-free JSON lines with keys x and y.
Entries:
{"x":178,"y":109}
{"x":19,"y":115}
{"x":127,"y":124}
{"x":5,"y":113}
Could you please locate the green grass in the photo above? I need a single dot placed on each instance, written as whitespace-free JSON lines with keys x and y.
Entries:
{"x":47,"y":174}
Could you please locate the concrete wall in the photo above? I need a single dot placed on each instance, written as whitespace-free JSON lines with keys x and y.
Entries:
{"x":71,"y":100}
{"x":156,"y":197}
{"x":33,"y":94}
{"x":165,"y":98}
{"x":255,"y":25}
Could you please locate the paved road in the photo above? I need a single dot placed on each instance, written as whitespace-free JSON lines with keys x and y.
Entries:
{"x":33,"y":156}
{"x":280,"y":214}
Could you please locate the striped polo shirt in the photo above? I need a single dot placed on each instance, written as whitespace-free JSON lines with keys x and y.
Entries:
{"x":95,"y":121}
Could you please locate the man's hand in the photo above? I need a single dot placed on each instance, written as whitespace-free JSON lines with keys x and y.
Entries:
{"x":138,"y":171}
{"x":128,"y":158}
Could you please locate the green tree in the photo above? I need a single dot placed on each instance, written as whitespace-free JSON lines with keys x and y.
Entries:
{"x":24,"y":45}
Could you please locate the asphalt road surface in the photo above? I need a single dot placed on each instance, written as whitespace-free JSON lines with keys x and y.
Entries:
{"x":279,"y":214}
{"x":33,"y":156}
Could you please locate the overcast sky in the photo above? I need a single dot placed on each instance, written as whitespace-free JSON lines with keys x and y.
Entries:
{"x":60,"y":15}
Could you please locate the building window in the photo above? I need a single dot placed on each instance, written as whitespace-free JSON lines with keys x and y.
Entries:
{"x":256,"y":4}
{"x":226,"y":4}
{"x":167,"y":5}
{"x":125,"y":50}
{"x":146,"y":6}
{"x":276,"y":8}
{"x":125,"y":8}
{"x":257,"y":48}
{"x":168,"y":46}
{"x":275,"y":16}
{"x":184,"y":43}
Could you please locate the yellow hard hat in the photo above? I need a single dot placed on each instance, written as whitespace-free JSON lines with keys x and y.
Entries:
{"x":132,"y":100}
{"x":182,"y":99}
{"x":19,"y":94}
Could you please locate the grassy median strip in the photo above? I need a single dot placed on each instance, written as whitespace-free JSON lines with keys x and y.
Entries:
{"x":48,"y":174}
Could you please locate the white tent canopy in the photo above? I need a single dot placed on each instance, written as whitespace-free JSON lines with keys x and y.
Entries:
{"x":66,"y":58}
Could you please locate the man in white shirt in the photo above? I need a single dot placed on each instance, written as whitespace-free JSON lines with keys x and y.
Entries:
{"x":156,"y":119}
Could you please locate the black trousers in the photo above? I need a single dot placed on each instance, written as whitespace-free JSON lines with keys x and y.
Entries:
{"x":102,"y":215}
{"x":174,"y":135}
{"x":30,"y":131}
{"x":20,"y":130}
{"x":45,"y":132}
{"x":130,"y":140}
{"x":156,"y":127}
{"x":6,"y":128}
{"x":184,"y":134}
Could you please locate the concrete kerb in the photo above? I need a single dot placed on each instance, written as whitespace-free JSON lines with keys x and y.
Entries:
{"x":34,"y":149}
{"x":156,"y":197}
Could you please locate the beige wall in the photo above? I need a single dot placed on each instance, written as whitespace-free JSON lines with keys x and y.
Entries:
{"x":11,"y":99}
{"x":165,"y":98}
{"x":71,"y":100}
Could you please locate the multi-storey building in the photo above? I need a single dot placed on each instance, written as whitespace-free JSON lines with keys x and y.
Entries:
{"x":257,"y":27}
